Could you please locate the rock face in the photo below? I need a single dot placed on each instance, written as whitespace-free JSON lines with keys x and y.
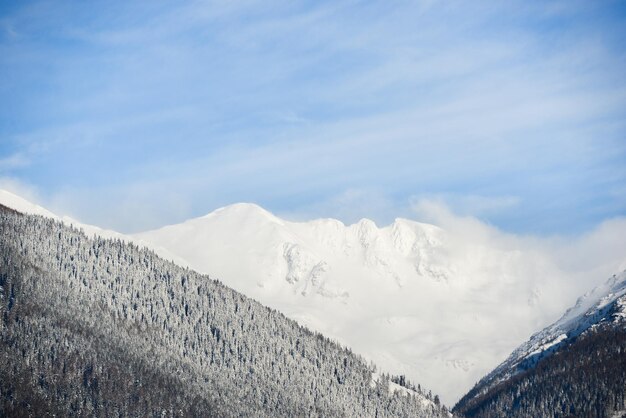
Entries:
{"x":99,"y":327}
{"x":574,"y":367}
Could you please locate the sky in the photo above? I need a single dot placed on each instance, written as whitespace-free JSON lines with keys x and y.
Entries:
{"x":131,"y":115}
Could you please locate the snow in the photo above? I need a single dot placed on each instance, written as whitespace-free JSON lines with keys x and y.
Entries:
{"x":412,"y":297}
{"x":408,"y":296}
{"x":396,"y":388}
{"x":548,"y":345}
{"x":19,"y":204}
{"x":392,"y":387}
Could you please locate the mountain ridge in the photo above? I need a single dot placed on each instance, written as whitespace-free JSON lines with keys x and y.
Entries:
{"x":598,"y":306}
{"x":336,"y":279}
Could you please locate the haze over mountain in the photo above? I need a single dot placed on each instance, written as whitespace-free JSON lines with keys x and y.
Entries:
{"x":440,"y":307}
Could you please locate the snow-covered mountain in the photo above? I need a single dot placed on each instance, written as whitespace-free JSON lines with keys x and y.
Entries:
{"x":577,"y":362}
{"x":409,"y":296}
{"x":95,"y":327}
{"x":414,"y":298}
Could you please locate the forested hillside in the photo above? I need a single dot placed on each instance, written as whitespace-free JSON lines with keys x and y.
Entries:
{"x":586,"y":379}
{"x":574,"y":368}
{"x":93,"y":327}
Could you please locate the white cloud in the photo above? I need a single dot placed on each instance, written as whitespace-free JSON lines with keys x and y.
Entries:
{"x":574,"y":263}
{"x":325,"y":100}
{"x":474,"y":205}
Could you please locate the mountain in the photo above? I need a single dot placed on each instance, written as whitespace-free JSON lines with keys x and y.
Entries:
{"x":410,"y":296}
{"x":442,"y":307}
{"x":101,"y":327}
{"x":574,"y":367}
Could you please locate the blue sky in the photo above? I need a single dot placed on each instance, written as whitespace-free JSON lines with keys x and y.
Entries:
{"x":132,"y":115}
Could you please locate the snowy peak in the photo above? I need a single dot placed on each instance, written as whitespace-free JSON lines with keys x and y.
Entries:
{"x":283,"y":252}
{"x":243,"y":212}
{"x":399,"y":294}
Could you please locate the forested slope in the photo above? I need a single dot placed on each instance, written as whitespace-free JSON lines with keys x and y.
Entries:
{"x":574,"y":368}
{"x":586,"y":379}
{"x":93,"y":327}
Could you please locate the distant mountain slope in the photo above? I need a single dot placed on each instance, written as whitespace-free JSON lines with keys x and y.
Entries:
{"x":412,"y":297}
{"x":12,"y":201}
{"x":15,"y":202}
{"x":94,"y":327}
{"x":574,"y":367}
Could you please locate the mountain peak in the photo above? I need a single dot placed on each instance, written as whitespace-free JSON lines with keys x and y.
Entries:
{"x":367,"y":223}
{"x":244,"y":211}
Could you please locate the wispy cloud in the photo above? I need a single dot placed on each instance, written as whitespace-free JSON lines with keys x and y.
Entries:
{"x":513,"y":112}
{"x":573,"y":263}
{"x":13,"y":162}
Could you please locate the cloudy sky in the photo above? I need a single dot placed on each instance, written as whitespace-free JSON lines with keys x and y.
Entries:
{"x":132,"y":115}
